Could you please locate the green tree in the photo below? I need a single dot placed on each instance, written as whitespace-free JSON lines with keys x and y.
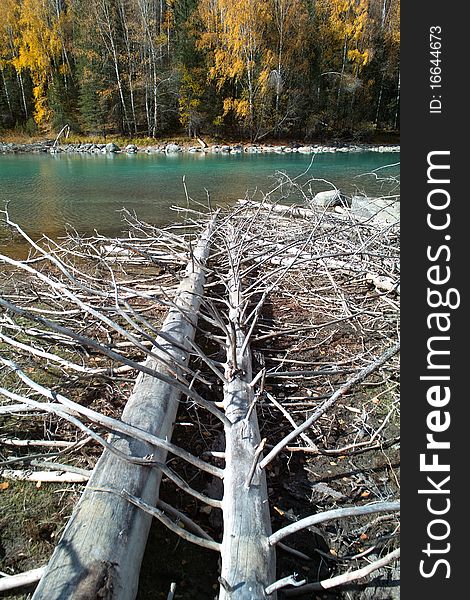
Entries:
{"x":97,"y":98}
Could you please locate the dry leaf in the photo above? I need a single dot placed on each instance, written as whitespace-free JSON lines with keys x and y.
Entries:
{"x":4,"y":485}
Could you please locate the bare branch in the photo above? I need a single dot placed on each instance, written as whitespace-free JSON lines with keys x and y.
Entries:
{"x":327,"y":584}
{"x":116,"y":356}
{"x":160,"y":515}
{"x":338,"y":513}
{"x":11,"y":582}
{"x":284,"y":582}
{"x":330,"y":402}
{"x":108,"y":422}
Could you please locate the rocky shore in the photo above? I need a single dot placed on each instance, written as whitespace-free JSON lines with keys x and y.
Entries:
{"x":171,"y":148}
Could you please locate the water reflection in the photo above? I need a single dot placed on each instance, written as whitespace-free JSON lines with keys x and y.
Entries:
{"x":47,"y":192}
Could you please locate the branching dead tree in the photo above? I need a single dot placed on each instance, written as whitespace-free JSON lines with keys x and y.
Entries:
{"x":248,"y":562}
{"x":298,"y":313}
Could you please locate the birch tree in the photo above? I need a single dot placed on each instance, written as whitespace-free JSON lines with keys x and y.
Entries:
{"x":105,"y":15}
{"x":235,"y":36}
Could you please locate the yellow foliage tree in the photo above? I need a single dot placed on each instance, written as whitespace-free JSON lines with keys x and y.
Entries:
{"x":8,"y":25}
{"x":9,"y":36}
{"x":235,"y":35}
{"x":345,"y":29}
{"x":292,"y":36}
{"x":39,"y":50}
{"x":347,"y":21}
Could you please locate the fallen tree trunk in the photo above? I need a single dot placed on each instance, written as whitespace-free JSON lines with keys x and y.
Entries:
{"x":100,"y":552}
{"x":202,"y":142}
{"x":43,"y":476}
{"x":288,"y":210}
{"x":248,"y":561}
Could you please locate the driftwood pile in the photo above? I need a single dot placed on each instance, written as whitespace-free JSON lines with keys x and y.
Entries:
{"x":260,"y":321}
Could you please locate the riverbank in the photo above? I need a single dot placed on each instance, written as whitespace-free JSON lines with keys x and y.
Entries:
{"x":165,"y":147}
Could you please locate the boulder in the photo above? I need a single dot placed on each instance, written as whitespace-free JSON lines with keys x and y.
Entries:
{"x":379,"y":211}
{"x":172,"y":148}
{"x":131,"y":148}
{"x":331,"y":198}
{"x":112,"y":147}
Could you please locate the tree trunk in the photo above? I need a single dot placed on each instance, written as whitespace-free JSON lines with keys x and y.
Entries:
{"x":100,"y":552}
{"x":23,"y":96}
{"x":248,"y":561}
{"x":7,"y":94}
{"x":130,"y":63}
{"x":379,"y":102}
{"x":397,"y":109}
{"x":107,"y":33}
{"x":343,"y":66}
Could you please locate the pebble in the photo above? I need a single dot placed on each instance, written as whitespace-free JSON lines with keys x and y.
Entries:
{"x":89,"y":148}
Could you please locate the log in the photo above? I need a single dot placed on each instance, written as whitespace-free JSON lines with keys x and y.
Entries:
{"x":45,"y":443}
{"x":202,"y":142}
{"x":287,"y":210}
{"x":248,"y":561}
{"x":101,"y":550}
{"x":43,"y":476}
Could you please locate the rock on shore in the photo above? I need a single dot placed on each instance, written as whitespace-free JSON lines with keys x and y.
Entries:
{"x":378,"y":211}
{"x":172,"y":148}
{"x":331,"y":198}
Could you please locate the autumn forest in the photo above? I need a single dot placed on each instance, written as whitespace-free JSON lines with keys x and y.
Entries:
{"x":309,"y":69}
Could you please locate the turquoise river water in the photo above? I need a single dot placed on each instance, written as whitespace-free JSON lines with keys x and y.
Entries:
{"x":45,"y":193}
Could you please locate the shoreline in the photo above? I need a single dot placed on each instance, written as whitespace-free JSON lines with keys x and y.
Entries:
{"x":49,"y":146}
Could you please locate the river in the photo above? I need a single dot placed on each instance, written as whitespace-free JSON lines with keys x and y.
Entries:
{"x":45,"y":193}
